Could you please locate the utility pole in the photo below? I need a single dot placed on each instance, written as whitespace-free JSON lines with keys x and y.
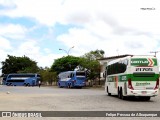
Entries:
{"x":155,"y":52}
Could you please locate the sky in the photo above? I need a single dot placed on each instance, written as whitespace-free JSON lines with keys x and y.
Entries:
{"x":39,"y":28}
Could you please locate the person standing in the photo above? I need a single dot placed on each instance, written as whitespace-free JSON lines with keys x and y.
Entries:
{"x":39,"y":83}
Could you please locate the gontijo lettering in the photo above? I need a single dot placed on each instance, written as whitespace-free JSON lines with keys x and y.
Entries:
{"x":140,"y":61}
{"x":143,"y":62}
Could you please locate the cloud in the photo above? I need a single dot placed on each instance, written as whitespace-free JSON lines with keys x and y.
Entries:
{"x":13,"y":31}
{"x":31,"y":49}
{"x":97,"y":24}
{"x":126,"y":13}
{"x":44,"y":11}
{"x":5,"y":44}
{"x":112,"y":25}
{"x":86,"y":40}
{"x":7,"y":5}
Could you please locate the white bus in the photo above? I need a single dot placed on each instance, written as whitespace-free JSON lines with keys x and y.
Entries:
{"x":133,"y":76}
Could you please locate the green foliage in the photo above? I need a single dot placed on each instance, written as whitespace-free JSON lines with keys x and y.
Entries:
{"x":47,"y":76}
{"x":94,"y":55}
{"x":24,"y":64}
{"x":15,"y":64}
{"x":87,"y":62}
{"x":67,"y":63}
{"x":92,"y":67}
{"x":90,"y":62}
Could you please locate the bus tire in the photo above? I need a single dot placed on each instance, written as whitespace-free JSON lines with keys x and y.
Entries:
{"x":147,"y":98}
{"x":119,"y":96}
{"x":59,"y":85}
{"x":121,"y":93}
{"x":28,"y":85}
{"x":69,"y":85}
{"x":109,"y":94}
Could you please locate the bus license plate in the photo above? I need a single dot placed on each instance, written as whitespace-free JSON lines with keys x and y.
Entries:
{"x":144,"y":92}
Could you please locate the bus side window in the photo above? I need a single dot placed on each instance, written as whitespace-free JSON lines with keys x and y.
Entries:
{"x":72,"y":75}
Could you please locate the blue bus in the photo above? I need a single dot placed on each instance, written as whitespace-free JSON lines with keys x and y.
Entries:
{"x":72,"y":79}
{"x":22,"y":79}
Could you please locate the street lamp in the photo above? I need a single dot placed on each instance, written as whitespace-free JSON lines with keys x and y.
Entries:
{"x":66,"y":50}
{"x":155,"y":52}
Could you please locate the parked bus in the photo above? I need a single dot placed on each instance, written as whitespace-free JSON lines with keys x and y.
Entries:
{"x":133,"y":76}
{"x":72,"y":79}
{"x":22,"y":79}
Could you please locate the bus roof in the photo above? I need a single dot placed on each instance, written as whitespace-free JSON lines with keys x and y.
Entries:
{"x":21,"y":73}
{"x":70,"y":72}
{"x":128,"y":57}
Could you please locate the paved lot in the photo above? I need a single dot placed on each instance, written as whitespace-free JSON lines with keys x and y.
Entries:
{"x":63,"y":99}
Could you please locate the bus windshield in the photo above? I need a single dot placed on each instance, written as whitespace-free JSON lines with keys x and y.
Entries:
{"x":143,"y":74}
{"x":80,"y":74}
{"x":27,"y":75}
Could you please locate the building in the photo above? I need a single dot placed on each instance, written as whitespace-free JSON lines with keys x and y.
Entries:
{"x":103,"y":63}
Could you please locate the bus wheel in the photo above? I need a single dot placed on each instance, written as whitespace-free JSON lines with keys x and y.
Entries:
{"x":119,"y":96}
{"x":109,"y":94}
{"x":28,"y":85}
{"x":59,"y":85}
{"x":69,"y":85}
{"x":147,"y":98}
{"x":121,"y":93}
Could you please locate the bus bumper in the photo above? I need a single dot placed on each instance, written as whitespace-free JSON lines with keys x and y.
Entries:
{"x":79,"y":85}
{"x":149,"y":93}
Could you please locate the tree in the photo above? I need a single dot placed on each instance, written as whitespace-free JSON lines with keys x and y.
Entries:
{"x":67,"y":63}
{"x":90,"y":62}
{"x":48,"y":76}
{"x":15,"y":64}
{"x":94,"y":55}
